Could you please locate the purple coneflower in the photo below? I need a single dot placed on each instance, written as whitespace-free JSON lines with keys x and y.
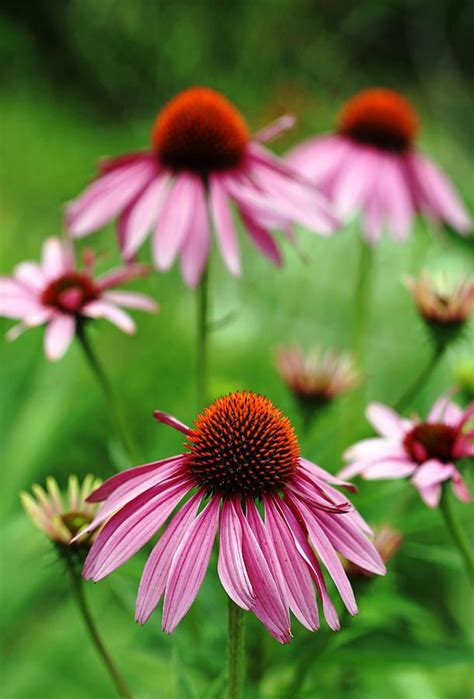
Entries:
{"x":278,"y":515}
{"x":371,"y":165}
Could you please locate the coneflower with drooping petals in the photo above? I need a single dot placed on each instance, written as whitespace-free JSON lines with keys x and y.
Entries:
{"x":371,"y":165}
{"x":202,"y":159}
{"x":279,"y":518}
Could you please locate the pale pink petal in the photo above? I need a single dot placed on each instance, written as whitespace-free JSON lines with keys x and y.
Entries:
{"x":276,"y":128}
{"x":196,"y":248}
{"x":102,"y":309}
{"x":231,"y":567}
{"x":132,"y":299}
{"x":399,"y":200}
{"x":141,"y":216}
{"x":444,"y":410}
{"x":19,"y":306}
{"x":375,"y":448}
{"x":353,"y":185}
{"x":431,"y":494}
{"x":224,"y":225}
{"x":189,"y":565}
{"x":121,"y":275}
{"x":320,"y":158}
{"x":389,"y":469}
{"x":351,"y":543}
{"x":31,"y":275}
{"x":157,"y":568}
{"x":318,"y":474}
{"x":57,"y":258}
{"x":431,"y":472}
{"x":175,"y":220}
{"x":58,"y":336}
{"x":385,"y":421}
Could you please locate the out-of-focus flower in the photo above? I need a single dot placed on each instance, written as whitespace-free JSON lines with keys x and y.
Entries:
{"x":371,"y":165}
{"x":241,"y":451}
{"x":201,"y":159}
{"x":444,"y":305}
{"x":427,"y":451}
{"x":387,"y":541}
{"x":57,"y":294}
{"x":319,"y":376}
{"x":62,"y":517}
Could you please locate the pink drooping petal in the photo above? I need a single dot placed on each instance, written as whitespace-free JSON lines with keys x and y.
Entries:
{"x":231,"y":566}
{"x":111,"y":484}
{"x":295,"y":571}
{"x":460,"y":487}
{"x":431,"y":494}
{"x":170,"y":420}
{"x":268,"y":605}
{"x":141,"y":215}
{"x":353,"y":184}
{"x":131,"y":528}
{"x":306,"y":490}
{"x":121,"y":275}
{"x":107,"y":196}
{"x":110,"y":312}
{"x":57,"y":258}
{"x":399,"y":200}
{"x":444,"y":410}
{"x":224,"y":225}
{"x":318,"y":474}
{"x":189,"y":565}
{"x":157,"y":568}
{"x":319,"y":159}
{"x":432,"y":472}
{"x":132,"y":299}
{"x":262,"y":239}
{"x":438,"y":194}
{"x":30,"y":321}
{"x":351,"y":543}
{"x":387,"y":469}
{"x":175,"y":220}
{"x":301,"y":542}
{"x":31,"y":276}
{"x":326,"y":552}
{"x":58,"y":336}
{"x":196,"y":248}
{"x":255,"y":203}
{"x":276,"y":128}
{"x":385,"y":421}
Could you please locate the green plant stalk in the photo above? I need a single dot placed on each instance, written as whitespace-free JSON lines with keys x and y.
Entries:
{"x":415,"y":387}
{"x":362,"y":297}
{"x":235,"y":650}
{"x":109,"y":393}
{"x":202,"y":340}
{"x":79,"y":596}
{"x":457,"y":534}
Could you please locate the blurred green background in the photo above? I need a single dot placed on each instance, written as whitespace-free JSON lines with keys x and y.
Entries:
{"x":82,"y":79}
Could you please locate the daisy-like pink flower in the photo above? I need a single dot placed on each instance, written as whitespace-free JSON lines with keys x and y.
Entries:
{"x":202,"y":159}
{"x":371,"y":165}
{"x":426,"y":451}
{"x":56,"y":294}
{"x":279,"y":518}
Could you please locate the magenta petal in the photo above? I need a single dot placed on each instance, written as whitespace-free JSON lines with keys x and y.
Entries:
{"x":224,"y":225}
{"x":351,"y":543}
{"x":157,"y":568}
{"x":262,"y":239}
{"x":231,"y":567}
{"x":460,"y":487}
{"x":170,"y":420}
{"x":189,"y":565}
{"x":111,"y":484}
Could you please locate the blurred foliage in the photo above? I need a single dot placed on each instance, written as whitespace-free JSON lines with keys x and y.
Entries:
{"x":83,"y":79}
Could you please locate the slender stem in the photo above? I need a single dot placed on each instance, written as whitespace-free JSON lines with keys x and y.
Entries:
{"x":457,"y":534}
{"x":202,"y":333}
{"x":235,"y":650}
{"x":109,"y":393}
{"x":362,"y":293}
{"x":78,"y":590}
{"x":407,"y":397}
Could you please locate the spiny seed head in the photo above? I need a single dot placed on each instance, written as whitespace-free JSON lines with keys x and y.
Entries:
{"x":431,"y":440}
{"x":201,"y":131}
{"x":380,"y":118}
{"x":242,"y":444}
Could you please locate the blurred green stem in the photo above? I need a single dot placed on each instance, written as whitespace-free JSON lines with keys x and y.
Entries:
{"x":457,"y":533}
{"x":407,"y":397}
{"x":109,"y":393}
{"x":202,"y":337}
{"x":235,"y":650}
{"x":362,"y":293}
{"x":78,"y":591}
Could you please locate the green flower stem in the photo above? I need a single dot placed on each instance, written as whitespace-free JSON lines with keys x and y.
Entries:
{"x":235,"y":650}
{"x":457,"y":534}
{"x":202,"y":340}
{"x":79,"y":596}
{"x":109,"y":393}
{"x":362,"y":294}
{"x":407,"y":397}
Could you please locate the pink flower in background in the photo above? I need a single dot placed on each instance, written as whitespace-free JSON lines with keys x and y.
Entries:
{"x":202,"y":159}
{"x":426,"y":451}
{"x":371,"y":165}
{"x":57,"y":294}
{"x":240,"y":452}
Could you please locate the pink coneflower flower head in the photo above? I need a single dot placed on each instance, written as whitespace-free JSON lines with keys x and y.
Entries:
{"x":319,"y":376}
{"x":387,"y":541}
{"x":428,"y":452}
{"x":62,"y":516}
{"x":57,"y":294}
{"x":444,"y":305}
{"x":279,"y":517}
{"x":370,"y":165}
{"x":202,"y":159}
